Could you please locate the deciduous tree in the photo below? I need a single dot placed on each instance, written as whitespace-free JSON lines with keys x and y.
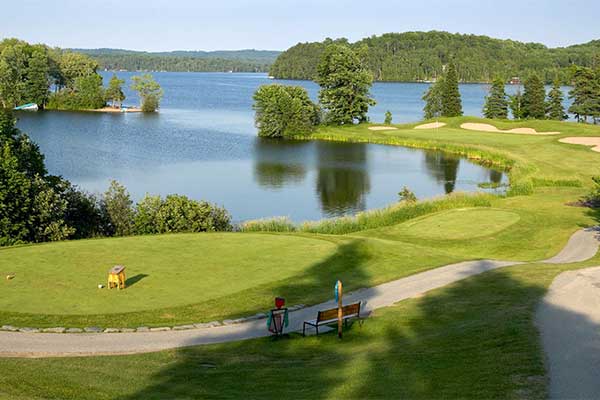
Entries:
{"x":345,"y":81}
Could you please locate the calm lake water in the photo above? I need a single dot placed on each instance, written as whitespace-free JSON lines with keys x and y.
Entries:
{"x":203,"y":144}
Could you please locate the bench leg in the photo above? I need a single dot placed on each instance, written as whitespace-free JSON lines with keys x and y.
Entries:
{"x":304,"y":329}
{"x":317,"y":328}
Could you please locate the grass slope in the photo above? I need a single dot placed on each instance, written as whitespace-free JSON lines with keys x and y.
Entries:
{"x":471,"y":340}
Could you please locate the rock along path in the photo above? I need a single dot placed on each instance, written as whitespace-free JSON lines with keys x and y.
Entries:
{"x":19,"y":344}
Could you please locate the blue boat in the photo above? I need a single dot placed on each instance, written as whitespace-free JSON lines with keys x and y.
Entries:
{"x":27,"y":107}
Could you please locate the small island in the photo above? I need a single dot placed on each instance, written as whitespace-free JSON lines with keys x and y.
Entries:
{"x":64,"y":80}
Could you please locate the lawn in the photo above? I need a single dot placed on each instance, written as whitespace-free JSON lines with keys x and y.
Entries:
{"x":472,"y":339}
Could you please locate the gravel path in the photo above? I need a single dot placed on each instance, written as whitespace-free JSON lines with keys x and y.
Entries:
{"x":19,"y":344}
{"x":569,"y":323}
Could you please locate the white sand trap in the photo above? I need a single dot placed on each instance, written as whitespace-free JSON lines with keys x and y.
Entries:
{"x":585,"y":141}
{"x":431,"y":125}
{"x":382,"y":128}
{"x":472,"y":126}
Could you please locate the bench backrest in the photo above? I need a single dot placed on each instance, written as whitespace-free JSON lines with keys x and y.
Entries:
{"x":327,"y":315}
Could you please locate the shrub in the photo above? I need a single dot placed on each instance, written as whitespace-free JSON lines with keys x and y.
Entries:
{"x":388,"y":118}
{"x":593,"y":198}
{"x":282,"y":111}
{"x":407,"y":195}
{"x":275,"y":224}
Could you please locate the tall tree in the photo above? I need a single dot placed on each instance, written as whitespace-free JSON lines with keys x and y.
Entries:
{"x":114,"y":92}
{"x":534,"y":98}
{"x":149,"y":90}
{"x":345,"y":82}
{"x":451,"y":102}
{"x":555,"y":109}
{"x":433,"y":100}
{"x":118,"y":206}
{"x":585,"y":94}
{"x":496,"y":105}
{"x":37,"y":78}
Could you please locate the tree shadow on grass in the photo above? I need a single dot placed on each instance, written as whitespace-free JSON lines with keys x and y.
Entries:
{"x":134,"y":279}
{"x":473,"y":339}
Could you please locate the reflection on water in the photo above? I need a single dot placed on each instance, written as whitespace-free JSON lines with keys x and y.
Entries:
{"x":342,"y":178}
{"x":443,"y":168}
{"x":278,"y":163}
{"x":203,"y":144}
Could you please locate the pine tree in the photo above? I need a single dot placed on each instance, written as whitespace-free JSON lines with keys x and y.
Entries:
{"x":451,"y":102}
{"x":496,"y":105}
{"x":585,"y":94}
{"x":555,"y":109}
{"x":433,"y":100}
{"x":534,"y":104}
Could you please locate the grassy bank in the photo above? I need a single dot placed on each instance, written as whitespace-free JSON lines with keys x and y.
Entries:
{"x":473,"y":339}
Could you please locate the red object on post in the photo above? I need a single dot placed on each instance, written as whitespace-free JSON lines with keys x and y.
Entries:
{"x":279,"y":302}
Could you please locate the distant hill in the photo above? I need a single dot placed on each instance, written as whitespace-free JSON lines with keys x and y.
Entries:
{"x":417,"y":56}
{"x":181,"y":60}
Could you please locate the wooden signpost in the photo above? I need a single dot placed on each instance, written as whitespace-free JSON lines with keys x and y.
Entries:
{"x":338,"y":297}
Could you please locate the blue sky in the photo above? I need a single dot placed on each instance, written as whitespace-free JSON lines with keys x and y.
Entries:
{"x":155,"y":25}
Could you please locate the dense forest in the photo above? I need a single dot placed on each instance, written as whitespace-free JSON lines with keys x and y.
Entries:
{"x":418,"y":56}
{"x":180,"y":61}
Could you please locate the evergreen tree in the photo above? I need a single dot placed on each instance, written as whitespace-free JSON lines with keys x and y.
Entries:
{"x":451,"y":102}
{"x":433,"y":100}
{"x":114,"y":92}
{"x":585,"y":94}
{"x":496,"y":105}
{"x":516,"y":104}
{"x":555,"y":109}
{"x":534,"y":104}
{"x":345,"y":82}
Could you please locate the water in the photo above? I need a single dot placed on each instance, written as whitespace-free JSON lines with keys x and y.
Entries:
{"x":203,"y":144}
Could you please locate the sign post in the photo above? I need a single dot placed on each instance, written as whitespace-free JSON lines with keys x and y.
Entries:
{"x":338,"y":297}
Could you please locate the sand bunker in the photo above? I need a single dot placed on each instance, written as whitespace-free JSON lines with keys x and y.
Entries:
{"x":585,"y":141}
{"x":382,"y":128}
{"x":431,"y":125}
{"x":491,"y":128}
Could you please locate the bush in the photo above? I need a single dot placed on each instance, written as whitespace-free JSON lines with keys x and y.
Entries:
{"x":150,"y":103}
{"x":275,"y":224}
{"x":388,"y":118}
{"x":407,"y":195}
{"x":593,"y":198}
{"x":179,"y":214}
{"x":282,"y":111}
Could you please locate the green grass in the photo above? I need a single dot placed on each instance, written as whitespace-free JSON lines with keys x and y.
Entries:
{"x":458,"y":224}
{"x":473,"y":339}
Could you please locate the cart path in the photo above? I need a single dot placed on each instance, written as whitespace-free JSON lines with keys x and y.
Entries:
{"x":19,"y":344}
{"x":569,"y":322}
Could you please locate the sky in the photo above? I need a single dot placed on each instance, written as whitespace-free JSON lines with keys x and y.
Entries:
{"x":154,"y":25}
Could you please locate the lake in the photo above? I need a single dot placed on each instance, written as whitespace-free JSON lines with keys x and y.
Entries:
{"x":203,"y":144}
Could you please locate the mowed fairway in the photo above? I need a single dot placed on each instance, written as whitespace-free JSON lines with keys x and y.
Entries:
{"x":162,"y":271}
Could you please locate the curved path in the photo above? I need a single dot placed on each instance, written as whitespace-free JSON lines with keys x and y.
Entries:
{"x":19,"y":344}
{"x":569,"y":322}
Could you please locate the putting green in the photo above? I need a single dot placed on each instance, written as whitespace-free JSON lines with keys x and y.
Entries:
{"x":162,"y":271}
{"x":460,"y":224}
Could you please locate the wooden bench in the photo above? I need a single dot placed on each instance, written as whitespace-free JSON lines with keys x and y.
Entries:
{"x":330,"y":316}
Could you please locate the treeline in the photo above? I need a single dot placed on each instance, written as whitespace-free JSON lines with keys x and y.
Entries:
{"x":421,"y":56}
{"x":182,"y":61}
{"x":62,"y":80}
{"x":38,"y":207}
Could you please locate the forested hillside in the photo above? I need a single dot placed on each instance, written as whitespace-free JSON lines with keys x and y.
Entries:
{"x":197,"y":61}
{"x":414,"y":56}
